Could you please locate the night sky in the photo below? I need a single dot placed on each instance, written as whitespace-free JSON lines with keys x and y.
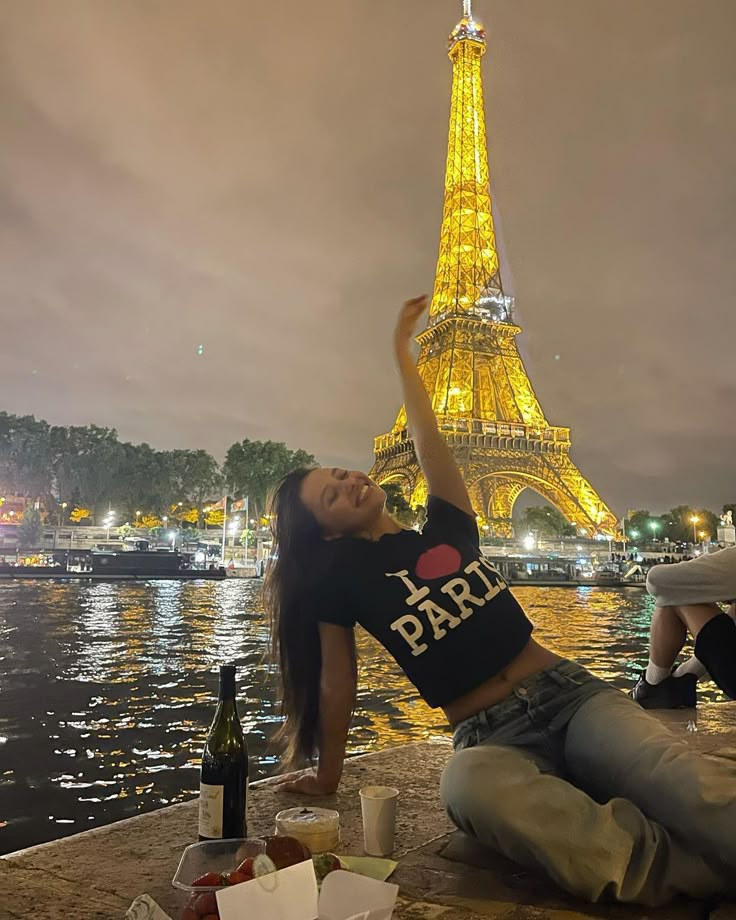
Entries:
{"x":265,"y":180}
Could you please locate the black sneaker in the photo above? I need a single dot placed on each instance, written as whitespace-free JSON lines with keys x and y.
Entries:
{"x":672,"y":693}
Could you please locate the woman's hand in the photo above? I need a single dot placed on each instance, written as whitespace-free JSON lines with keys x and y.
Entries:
{"x":407,"y":322}
{"x":306,"y":782}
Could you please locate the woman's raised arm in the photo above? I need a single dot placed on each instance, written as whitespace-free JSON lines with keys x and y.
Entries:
{"x":434,"y":456}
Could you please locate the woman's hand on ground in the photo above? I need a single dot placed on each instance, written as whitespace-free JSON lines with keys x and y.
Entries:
{"x":306,"y":782}
{"x":407,"y":322}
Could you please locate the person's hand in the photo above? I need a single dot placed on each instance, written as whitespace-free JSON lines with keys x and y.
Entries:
{"x":306,"y":782}
{"x":407,"y":322}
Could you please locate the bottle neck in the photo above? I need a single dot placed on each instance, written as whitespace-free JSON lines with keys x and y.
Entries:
{"x":227,"y":686}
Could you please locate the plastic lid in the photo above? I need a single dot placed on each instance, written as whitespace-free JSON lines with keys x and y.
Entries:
{"x":308,"y":817}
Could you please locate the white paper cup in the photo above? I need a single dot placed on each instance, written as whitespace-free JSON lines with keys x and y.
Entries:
{"x":378,"y":804}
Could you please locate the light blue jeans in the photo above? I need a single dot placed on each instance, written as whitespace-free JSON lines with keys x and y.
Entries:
{"x":570,"y":776}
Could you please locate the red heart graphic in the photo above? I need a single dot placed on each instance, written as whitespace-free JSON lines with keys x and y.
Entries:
{"x":439,"y":561}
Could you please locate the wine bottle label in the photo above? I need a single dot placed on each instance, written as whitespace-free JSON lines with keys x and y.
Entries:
{"x":211,"y":799}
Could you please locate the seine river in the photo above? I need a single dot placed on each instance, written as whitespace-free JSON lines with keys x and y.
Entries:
{"x":106,"y":689}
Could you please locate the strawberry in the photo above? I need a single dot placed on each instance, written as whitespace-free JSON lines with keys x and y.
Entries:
{"x":208,"y":880}
{"x":206,"y":904}
{"x":246,"y":867}
{"x":237,"y":878}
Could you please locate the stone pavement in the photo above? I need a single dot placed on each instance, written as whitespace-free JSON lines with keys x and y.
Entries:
{"x":442,"y":875}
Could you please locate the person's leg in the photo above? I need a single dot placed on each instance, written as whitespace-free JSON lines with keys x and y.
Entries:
{"x":669,"y":629}
{"x":694,"y":665}
{"x":714,"y":633}
{"x":667,"y":635}
{"x":696,"y":616}
{"x":500,"y":796}
{"x":613,"y":748}
{"x":691,"y":665}
{"x":658,"y":688}
{"x":715,"y":647}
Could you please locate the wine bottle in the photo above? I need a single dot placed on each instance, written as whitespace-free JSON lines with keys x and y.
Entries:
{"x":223,"y":787}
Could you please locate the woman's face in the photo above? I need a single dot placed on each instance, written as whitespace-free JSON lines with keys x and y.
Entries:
{"x":344,"y":502}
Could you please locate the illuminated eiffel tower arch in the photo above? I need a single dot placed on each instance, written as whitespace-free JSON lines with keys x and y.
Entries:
{"x":469,"y":360}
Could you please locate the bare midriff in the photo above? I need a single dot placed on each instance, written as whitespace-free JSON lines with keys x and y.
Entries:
{"x":532,"y":659}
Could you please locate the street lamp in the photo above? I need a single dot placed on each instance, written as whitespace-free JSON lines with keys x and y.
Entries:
{"x":655,"y":527}
{"x":137,"y":515}
{"x":233,"y":527}
{"x":634,"y":534}
{"x":694,"y":520}
{"x":108,"y":523}
{"x":702,"y":535}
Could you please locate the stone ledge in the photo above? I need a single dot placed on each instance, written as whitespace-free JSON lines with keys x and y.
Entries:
{"x":96,"y":874}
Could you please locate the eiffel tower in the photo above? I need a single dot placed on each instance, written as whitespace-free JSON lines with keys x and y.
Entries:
{"x":468,"y":359}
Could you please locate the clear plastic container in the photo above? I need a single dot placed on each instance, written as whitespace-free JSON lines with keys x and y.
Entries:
{"x":210,"y":856}
{"x":316,"y":828}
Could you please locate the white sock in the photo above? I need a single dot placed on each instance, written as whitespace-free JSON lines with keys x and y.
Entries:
{"x":692,"y":666}
{"x":655,"y":674}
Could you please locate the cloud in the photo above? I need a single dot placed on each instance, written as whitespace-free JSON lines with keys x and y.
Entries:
{"x":268,"y":184}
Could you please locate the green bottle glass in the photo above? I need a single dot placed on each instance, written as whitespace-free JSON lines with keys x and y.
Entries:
{"x":223,"y":787}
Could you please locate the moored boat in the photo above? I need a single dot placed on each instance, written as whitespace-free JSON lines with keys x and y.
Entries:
{"x":107,"y":565}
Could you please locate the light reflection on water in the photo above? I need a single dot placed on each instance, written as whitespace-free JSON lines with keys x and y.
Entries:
{"x":106,"y":689}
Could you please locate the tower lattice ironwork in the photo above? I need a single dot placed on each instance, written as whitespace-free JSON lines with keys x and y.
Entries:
{"x":469,"y":360}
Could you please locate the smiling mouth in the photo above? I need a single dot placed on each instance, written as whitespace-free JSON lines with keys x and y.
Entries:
{"x":363,"y":492}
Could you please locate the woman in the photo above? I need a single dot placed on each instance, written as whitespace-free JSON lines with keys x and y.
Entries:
{"x":552,"y":767}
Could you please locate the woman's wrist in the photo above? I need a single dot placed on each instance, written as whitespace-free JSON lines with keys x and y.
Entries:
{"x":403,"y":355}
{"x":329,"y":779}
{"x":330,"y":770}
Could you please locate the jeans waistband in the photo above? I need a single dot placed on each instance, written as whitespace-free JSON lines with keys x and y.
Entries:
{"x":533,"y":691}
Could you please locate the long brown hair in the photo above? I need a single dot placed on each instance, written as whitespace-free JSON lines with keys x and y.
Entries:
{"x":299,"y":561}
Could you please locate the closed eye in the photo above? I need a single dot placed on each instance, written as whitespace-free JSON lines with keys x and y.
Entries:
{"x":329,"y":495}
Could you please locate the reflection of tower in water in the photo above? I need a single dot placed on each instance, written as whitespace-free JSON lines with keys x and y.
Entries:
{"x":469,"y":360}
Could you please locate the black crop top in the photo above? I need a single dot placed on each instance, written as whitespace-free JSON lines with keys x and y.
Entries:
{"x":440,"y":609}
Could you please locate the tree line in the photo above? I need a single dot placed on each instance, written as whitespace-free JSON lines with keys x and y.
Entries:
{"x":79,"y":472}
{"x":682,"y":524}
{"x":88,"y":470}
